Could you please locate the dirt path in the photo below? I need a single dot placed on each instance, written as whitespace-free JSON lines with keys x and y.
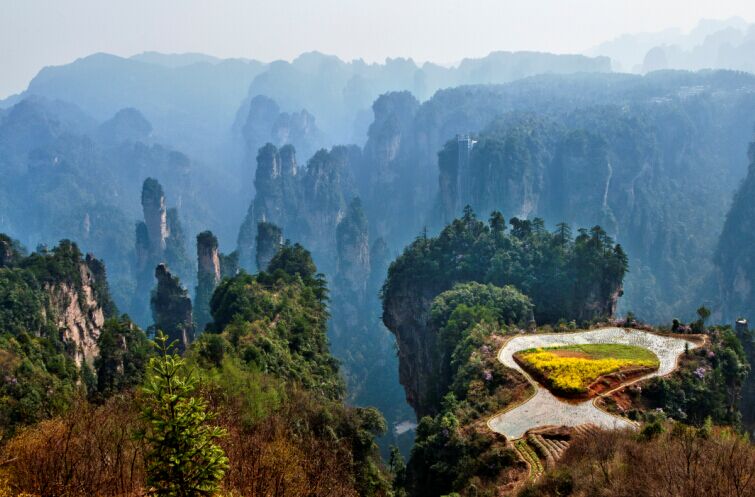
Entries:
{"x":544,"y":408}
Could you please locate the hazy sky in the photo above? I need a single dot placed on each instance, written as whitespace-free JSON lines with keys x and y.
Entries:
{"x":36,"y":33}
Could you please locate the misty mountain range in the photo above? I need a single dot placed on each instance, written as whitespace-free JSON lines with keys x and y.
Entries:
{"x":654,"y":159}
{"x":712,"y":44}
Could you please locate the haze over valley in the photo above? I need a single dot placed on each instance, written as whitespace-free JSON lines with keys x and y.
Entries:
{"x":297,"y":273}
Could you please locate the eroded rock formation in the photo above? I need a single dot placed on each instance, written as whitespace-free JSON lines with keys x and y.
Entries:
{"x":171,"y":308}
{"x":159,"y":239}
{"x":307,"y":204}
{"x":70,"y":293}
{"x":208,"y":276}
{"x":269,"y":240}
{"x":734,"y":259}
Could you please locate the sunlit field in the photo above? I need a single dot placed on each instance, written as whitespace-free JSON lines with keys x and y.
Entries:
{"x":570,"y":369}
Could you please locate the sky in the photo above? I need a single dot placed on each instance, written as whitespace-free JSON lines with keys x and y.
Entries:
{"x":38,"y":33}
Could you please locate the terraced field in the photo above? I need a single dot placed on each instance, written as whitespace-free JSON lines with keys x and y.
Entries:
{"x":545,"y":409}
{"x":569,"y":370}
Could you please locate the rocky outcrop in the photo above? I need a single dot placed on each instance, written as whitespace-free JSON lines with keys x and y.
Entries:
{"x":277,"y":185}
{"x":208,"y":256}
{"x":307,"y":204}
{"x":208,"y":276}
{"x":78,"y":315}
{"x":65,"y":295}
{"x":159,"y":239}
{"x":171,"y":308}
{"x":353,"y":244}
{"x":406,"y":312}
{"x":735,"y":262}
{"x":155,"y":216}
{"x":349,"y":328}
{"x":265,"y":123}
{"x":269,"y":240}
{"x":326,"y":188}
{"x":80,"y":306}
{"x":389,"y":170}
{"x":212,"y":266}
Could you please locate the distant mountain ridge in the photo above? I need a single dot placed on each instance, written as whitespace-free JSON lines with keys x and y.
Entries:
{"x":711,"y":44}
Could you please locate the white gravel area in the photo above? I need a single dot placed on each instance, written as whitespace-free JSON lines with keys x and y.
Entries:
{"x":546,"y":409}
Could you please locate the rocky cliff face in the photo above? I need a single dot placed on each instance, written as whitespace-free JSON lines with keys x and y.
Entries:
{"x":155,"y":216}
{"x":307,"y":204}
{"x":389,"y":171}
{"x":208,"y":256}
{"x":81,"y":307}
{"x":159,"y":239}
{"x":735,"y":262}
{"x":70,"y":292}
{"x":212,"y":267}
{"x":171,"y":308}
{"x":208,"y":276}
{"x":78,"y":316}
{"x":351,"y":279}
{"x":269,"y":240}
{"x":353,"y":265}
{"x":314,"y":206}
{"x":581,"y":281}
{"x":407,"y":314}
{"x":265,"y":123}
{"x":327,"y":188}
{"x":622,"y":169}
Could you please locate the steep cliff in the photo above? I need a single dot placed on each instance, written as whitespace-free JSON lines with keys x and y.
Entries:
{"x":159,"y":239}
{"x":565,"y":278}
{"x":306,"y":203}
{"x":268,"y":241}
{"x":735,"y":259}
{"x":155,"y":216}
{"x":735,"y":275}
{"x":615,"y":167}
{"x":388,"y":169}
{"x":171,"y":308}
{"x":353,"y":248}
{"x":53,"y":309}
{"x":80,"y":309}
{"x":327,"y":188}
{"x":620,"y":151}
{"x":349,"y":331}
{"x":212,"y":266}
{"x":208,"y":277}
{"x":266,"y":123}
{"x":315,"y":206}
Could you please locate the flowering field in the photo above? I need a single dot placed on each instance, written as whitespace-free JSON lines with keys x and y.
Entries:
{"x":570,"y":369}
{"x":545,"y":409}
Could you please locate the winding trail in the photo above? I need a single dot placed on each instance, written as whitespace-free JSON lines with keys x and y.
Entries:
{"x":544,"y":408}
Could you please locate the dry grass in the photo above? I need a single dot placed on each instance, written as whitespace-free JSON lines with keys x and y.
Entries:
{"x":683,"y":462}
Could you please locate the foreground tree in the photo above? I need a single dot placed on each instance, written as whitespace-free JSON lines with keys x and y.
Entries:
{"x":183,"y":459}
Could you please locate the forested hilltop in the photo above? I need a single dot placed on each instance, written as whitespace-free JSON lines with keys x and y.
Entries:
{"x":88,"y":385}
{"x":561,"y":277}
{"x":457,"y":300}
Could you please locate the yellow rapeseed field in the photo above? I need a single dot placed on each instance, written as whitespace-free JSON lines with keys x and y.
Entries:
{"x":572,"y":374}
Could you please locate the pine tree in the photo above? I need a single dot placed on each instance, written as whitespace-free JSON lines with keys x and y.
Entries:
{"x":183,"y":459}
